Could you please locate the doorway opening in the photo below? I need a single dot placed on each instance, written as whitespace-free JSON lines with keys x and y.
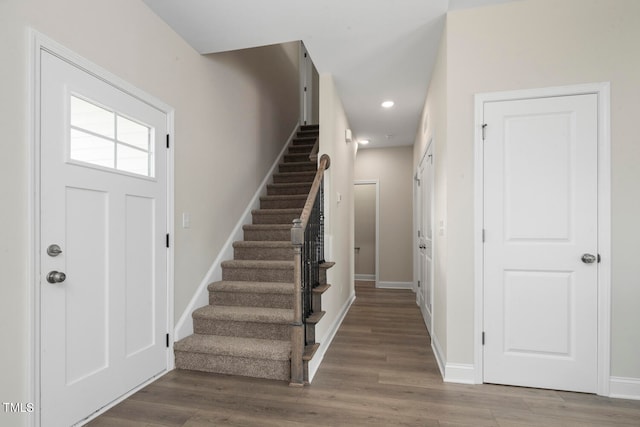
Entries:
{"x":366,"y":230}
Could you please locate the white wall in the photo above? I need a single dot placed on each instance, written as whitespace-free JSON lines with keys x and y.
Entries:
{"x":392,"y":167}
{"x":233,"y":113}
{"x":532,"y":44}
{"x":338,"y":205}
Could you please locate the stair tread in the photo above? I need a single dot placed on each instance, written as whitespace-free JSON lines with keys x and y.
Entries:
{"x":299,"y":163}
{"x":244,"y":314}
{"x":267,"y":244}
{"x":309,"y":175}
{"x":315,"y":317}
{"x":327,"y":265}
{"x":310,"y":351}
{"x":320,"y":289}
{"x":290,"y":184}
{"x":307,"y":143}
{"x":251,"y":287}
{"x":253,"y":348}
{"x":250,"y":263}
{"x":285,"y":197}
{"x":276,"y":211}
{"x":266,"y":226}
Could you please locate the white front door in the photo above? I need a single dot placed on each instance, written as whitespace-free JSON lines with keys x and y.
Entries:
{"x":425,"y":236}
{"x":103,"y":223}
{"x":541,"y":247}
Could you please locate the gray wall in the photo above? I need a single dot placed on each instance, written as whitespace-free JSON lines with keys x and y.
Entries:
{"x":392,"y":168}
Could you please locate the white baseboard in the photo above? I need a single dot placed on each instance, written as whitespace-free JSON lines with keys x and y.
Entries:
{"x":460,"y":373}
{"x":184,"y":326}
{"x":326,"y":340}
{"x":365,"y":277}
{"x":437,"y":352}
{"x":394,"y":285}
{"x":624,"y":388}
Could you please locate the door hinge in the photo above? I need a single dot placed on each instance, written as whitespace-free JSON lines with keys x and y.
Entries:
{"x":167,"y":340}
{"x":167,"y":239}
{"x":167,"y":140}
{"x":483,"y":338}
{"x":484,"y":127}
{"x":599,"y":259}
{"x":305,"y":54}
{"x":483,"y":234}
{"x":418,"y":283}
{"x":305,"y":88}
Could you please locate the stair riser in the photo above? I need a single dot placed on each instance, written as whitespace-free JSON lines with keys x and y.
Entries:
{"x":283,"y":204}
{"x":257,"y":368}
{"x":268,"y":235}
{"x":296,"y":157}
{"x":265,"y":254}
{"x":293,"y":167}
{"x":288,"y":190}
{"x":297,"y":178}
{"x":268,"y":218}
{"x":244,"y":299}
{"x":229,"y":328}
{"x":307,"y":133}
{"x":300,"y":149}
{"x":257,"y":274}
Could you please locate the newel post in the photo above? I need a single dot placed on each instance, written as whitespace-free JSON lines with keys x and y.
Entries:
{"x":297,"y":327}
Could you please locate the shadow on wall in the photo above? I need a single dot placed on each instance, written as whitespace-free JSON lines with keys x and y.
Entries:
{"x":275,"y":76}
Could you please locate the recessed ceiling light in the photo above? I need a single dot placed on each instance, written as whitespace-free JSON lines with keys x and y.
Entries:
{"x":364,"y":141}
{"x":387,"y":104}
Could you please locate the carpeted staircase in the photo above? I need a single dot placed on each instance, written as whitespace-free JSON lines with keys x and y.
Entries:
{"x":246,"y":328}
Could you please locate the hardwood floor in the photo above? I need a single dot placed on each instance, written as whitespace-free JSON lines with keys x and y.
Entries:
{"x":379,"y":371}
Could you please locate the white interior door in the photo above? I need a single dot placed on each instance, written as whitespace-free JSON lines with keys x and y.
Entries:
{"x":306,"y":86}
{"x":540,"y":250}
{"x":425,"y":236}
{"x":103,"y":287}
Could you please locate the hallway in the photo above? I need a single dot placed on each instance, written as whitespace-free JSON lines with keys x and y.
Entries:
{"x":380,"y":370}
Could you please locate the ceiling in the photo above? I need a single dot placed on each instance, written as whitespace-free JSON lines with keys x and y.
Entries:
{"x":376,"y":50}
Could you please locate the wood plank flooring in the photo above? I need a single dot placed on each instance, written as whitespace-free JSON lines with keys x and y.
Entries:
{"x":379,"y":371}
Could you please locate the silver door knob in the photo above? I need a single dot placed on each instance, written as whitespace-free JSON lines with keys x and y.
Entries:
{"x":56,"y":277}
{"x":588,"y":258}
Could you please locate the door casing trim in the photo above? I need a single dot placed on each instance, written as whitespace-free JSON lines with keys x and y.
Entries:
{"x":39,"y":42}
{"x":602,"y":90}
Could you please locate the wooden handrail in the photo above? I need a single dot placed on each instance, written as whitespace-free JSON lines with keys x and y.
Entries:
{"x":313,"y":156}
{"x":297,"y":240}
{"x":325,"y":162}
